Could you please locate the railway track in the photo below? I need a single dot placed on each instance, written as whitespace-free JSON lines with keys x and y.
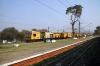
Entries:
{"x":68,"y":59}
{"x":56,"y":61}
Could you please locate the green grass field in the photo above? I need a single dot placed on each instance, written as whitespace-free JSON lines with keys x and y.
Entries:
{"x":8,"y":52}
{"x":6,"y":48}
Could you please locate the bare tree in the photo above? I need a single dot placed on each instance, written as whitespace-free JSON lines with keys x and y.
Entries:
{"x":76,"y":12}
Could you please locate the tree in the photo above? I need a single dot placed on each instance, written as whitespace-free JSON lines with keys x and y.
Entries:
{"x":76,"y":12}
{"x":34,"y":29}
{"x":43,"y":30}
{"x":0,"y":36}
{"x":98,"y":30}
{"x":9,"y":34}
{"x":22,"y":34}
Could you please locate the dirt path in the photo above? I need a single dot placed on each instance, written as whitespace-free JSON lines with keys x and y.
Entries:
{"x":12,"y":56}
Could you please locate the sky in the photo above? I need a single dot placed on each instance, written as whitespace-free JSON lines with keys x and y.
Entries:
{"x":41,"y":14}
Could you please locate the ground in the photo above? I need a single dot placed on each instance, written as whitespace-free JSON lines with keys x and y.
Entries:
{"x":11,"y":53}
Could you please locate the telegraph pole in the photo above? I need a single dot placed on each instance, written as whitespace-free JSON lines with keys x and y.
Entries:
{"x":79,"y":29}
{"x":48,"y":29}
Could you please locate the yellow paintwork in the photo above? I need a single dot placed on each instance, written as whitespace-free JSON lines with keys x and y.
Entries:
{"x":35,"y":35}
{"x":77,"y":35}
{"x":56,"y":35}
{"x":47,"y":34}
{"x":84,"y":35}
{"x":80,"y":35}
{"x":69,"y":35}
{"x":27,"y":38}
{"x":64,"y":35}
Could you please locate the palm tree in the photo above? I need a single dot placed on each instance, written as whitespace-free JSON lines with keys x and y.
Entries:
{"x":76,"y":12}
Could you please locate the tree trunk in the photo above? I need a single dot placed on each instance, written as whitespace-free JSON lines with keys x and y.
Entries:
{"x":73,"y":31}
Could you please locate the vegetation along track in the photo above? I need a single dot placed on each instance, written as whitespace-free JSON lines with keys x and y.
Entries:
{"x":71,"y":57}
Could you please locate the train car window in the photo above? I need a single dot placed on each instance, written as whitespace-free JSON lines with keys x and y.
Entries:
{"x":34,"y":34}
{"x":51,"y":35}
{"x":28,"y":34}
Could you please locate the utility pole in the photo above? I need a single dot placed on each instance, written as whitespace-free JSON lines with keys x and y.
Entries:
{"x":89,"y":31}
{"x":58,"y":31}
{"x":48,"y":29}
{"x":79,"y":29}
{"x":63,"y":30}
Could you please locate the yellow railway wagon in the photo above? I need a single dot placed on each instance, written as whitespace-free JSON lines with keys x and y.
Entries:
{"x":64,"y":35}
{"x":48,"y":35}
{"x":84,"y":35}
{"x":27,"y":37}
{"x":69,"y":35}
{"x":32,"y":36}
{"x":76,"y":35}
{"x":56,"y":35}
{"x":35,"y":35}
{"x":80,"y":35}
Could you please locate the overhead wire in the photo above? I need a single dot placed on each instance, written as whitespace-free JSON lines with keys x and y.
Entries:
{"x":51,"y":8}
{"x":21,"y":19}
{"x":32,"y":21}
{"x":36,"y":23}
{"x":82,"y":15}
{"x":66,"y":6}
{"x":19,"y":23}
{"x":82,"y":18}
{"x":62,"y":3}
{"x":68,"y":2}
{"x":86,"y":25}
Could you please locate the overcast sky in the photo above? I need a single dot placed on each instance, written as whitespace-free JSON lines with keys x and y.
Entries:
{"x":41,"y":14}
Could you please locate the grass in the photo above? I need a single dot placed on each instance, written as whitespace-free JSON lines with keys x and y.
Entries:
{"x":7,"y":48}
{"x":26,"y":46}
{"x":44,"y":62}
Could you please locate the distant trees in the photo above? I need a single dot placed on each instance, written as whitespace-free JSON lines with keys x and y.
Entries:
{"x":9,"y":34}
{"x":34,"y":29}
{"x":97,"y":31}
{"x":43,"y":30}
{"x":76,"y":12}
{"x":0,"y":37}
{"x":21,"y":35}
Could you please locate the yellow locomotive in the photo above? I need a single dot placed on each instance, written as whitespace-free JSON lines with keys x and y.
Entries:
{"x":38,"y":36}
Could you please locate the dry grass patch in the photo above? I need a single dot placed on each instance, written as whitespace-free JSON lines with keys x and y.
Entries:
{"x":27,"y":46}
{"x":7,"y":48}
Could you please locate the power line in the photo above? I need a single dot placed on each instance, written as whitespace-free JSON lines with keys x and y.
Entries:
{"x":19,"y":23}
{"x":86,"y":25}
{"x":65,"y":5}
{"x":21,"y":19}
{"x":68,"y":2}
{"x":85,"y":18}
{"x":71,"y":5}
{"x":51,"y":8}
{"x":82,"y":18}
{"x":79,"y":20}
{"x":62,"y":3}
{"x":34,"y":21}
{"x":25,"y":24}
